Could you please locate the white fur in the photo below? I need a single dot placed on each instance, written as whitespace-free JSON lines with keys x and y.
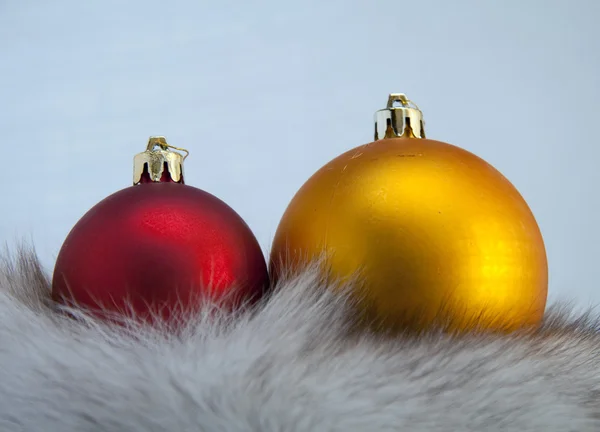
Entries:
{"x":292,"y":365}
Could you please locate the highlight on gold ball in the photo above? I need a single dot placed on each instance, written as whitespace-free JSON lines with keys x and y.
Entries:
{"x":435,"y":235}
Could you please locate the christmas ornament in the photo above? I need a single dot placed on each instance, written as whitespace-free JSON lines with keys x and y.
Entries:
{"x":159,"y":247}
{"x":433,"y":234}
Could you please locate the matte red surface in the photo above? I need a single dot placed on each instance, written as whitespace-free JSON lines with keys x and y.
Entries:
{"x":159,"y":247}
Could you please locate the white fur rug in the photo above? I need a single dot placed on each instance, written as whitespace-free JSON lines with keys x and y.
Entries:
{"x":291,"y":365}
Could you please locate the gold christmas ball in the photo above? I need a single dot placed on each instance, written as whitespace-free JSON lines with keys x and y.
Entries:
{"x":432,"y":234}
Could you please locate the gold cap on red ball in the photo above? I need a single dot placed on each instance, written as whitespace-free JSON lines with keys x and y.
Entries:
{"x":159,"y":163}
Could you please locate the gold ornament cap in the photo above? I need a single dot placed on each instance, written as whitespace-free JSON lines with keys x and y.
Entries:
{"x":401,"y":118}
{"x":158,"y":160}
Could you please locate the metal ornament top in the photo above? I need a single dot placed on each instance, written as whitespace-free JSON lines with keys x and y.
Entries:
{"x":401,"y":118}
{"x":157,"y":158}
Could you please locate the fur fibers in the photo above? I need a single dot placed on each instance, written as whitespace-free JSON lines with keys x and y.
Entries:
{"x":292,"y":364}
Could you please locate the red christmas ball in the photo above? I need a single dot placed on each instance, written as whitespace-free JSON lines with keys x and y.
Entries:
{"x":159,"y":247}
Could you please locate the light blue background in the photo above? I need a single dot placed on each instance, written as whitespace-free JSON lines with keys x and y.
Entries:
{"x":265,"y":92}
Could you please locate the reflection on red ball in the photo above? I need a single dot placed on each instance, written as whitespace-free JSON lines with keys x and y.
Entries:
{"x":159,"y":247}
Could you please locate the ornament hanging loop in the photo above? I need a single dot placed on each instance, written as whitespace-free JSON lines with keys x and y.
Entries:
{"x":401,"y":118}
{"x":159,"y":164}
{"x":161,"y":141}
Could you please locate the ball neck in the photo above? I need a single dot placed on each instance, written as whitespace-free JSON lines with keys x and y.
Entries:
{"x":159,"y":163}
{"x":400,"y":118}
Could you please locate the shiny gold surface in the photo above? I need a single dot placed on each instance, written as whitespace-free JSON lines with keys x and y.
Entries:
{"x":434,"y":232}
{"x":156,"y":160}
